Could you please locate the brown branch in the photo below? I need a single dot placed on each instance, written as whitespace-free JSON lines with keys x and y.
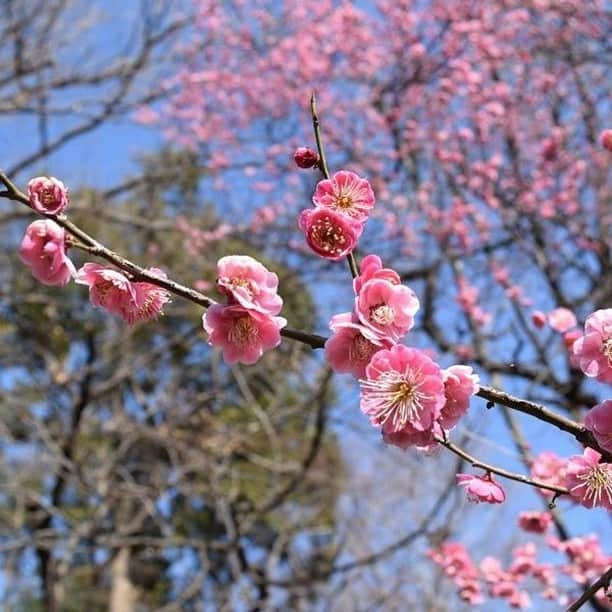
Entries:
{"x":583,"y":435}
{"x":316,"y":126}
{"x":499,"y":471}
{"x":602,"y":582}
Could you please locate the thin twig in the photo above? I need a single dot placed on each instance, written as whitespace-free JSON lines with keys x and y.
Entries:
{"x":499,"y":471}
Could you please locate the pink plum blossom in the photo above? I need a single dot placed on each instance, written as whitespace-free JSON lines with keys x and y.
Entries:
{"x":606,"y":139}
{"x":403,"y":387}
{"x":329,"y":233}
{"x":535,"y":522}
{"x":549,"y":468}
{"x":370,"y":268}
{"x":562,"y":320}
{"x":249,"y":283}
{"x":589,"y":481}
{"x":599,"y":422}
{"x":43,"y":250}
{"x":243,"y":335}
{"x":387,"y":309}
{"x":347,"y":194}
{"x":149,"y":300}
{"x":133,"y":301}
{"x":108,"y":288}
{"x":305,"y":157}
{"x":47,"y":195}
{"x":481,"y":488}
{"x":594,"y":349}
{"x":460,"y":383}
{"x":410,"y":437}
{"x":352,"y":345}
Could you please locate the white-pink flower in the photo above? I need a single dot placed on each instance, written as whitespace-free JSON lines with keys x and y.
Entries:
{"x":594,"y":349}
{"x":589,"y":481}
{"x":481,"y":488}
{"x":403,"y":387}
{"x":562,"y":320}
{"x":43,"y":250}
{"x":386,"y":308}
{"x":460,"y":383}
{"x":243,"y":335}
{"x":249,"y":283}
{"x":347,"y":194}
{"x":47,"y":195}
{"x":599,"y":422}
{"x":352,"y":345}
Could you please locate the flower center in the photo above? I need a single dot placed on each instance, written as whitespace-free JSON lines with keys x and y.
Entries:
{"x":48,"y":197}
{"x":244,"y":283}
{"x":362,"y":349}
{"x":382,"y":314}
{"x":243,"y":332}
{"x":344,"y":201}
{"x":598,"y":483}
{"x":393,"y":397}
{"x":607,"y":349}
{"x":327,"y":236}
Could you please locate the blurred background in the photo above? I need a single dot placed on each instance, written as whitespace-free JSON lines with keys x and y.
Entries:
{"x":139,"y":472}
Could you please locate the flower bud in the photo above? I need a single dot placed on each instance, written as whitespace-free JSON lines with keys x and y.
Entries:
{"x":305,"y":157}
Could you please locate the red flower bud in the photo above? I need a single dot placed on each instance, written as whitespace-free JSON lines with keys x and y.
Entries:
{"x":305,"y":157}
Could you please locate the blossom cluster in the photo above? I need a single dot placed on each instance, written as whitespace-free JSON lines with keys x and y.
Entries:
{"x":403,"y":390}
{"x":586,"y":476}
{"x":247,"y":324}
{"x":342,"y":205}
{"x":43,"y":250}
{"x":585,"y":562}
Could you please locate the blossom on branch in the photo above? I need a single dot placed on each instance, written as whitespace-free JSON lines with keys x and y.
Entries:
{"x":249,"y":283}
{"x":460,"y":383}
{"x":403,"y":388}
{"x":589,"y":481}
{"x":352,"y":345}
{"x":243,"y":335}
{"x":594,"y":349}
{"x":47,"y":195}
{"x":371,"y":268}
{"x":481,"y":488}
{"x":43,"y":250}
{"x":328,"y":233}
{"x":133,"y":301}
{"x":387,"y":309}
{"x":347,"y":194}
{"x":599,"y":422}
